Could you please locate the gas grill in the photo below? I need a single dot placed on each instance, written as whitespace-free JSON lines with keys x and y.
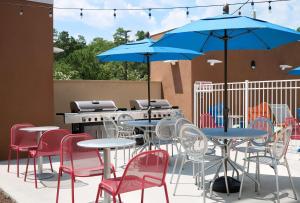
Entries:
{"x":87,"y":116}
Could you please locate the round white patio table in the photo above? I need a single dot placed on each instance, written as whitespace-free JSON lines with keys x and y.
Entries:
{"x":106,"y":144}
{"x":40,"y":130}
{"x":217,"y":134}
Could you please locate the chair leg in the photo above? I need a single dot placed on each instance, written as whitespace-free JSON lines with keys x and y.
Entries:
{"x":114,"y":199}
{"x":174,"y":167}
{"x":290,"y":177}
{"x":235,"y":159}
{"x":34,"y":168}
{"x":28,"y":158}
{"x":98,"y":193}
{"x":8,"y":159}
{"x":225,"y":177}
{"x":277,"y":182}
{"x":166,"y":193}
{"x":18,"y":163}
{"x":179,"y":174}
{"x":142,"y":196}
{"x":203,"y":180}
{"x":119,"y":196}
{"x":58,"y":184}
{"x":243,"y":176}
{"x":116,"y":157}
{"x":72,"y":185}
{"x":50,"y":161}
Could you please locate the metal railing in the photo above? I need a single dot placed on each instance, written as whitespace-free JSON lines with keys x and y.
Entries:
{"x":274,"y":99}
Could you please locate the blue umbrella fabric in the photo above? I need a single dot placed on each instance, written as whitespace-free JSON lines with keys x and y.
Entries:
{"x":228,"y":32}
{"x":295,"y":71}
{"x":141,"y":51}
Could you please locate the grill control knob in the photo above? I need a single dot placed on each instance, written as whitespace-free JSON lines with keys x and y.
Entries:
{"x":83,"y":120}
{"x":90,"y":119}
{"x":113,"y":118}
{"x":96,"y":119}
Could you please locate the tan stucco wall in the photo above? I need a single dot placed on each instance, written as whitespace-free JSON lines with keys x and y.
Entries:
{"x":119,"y":91}
{"x":26,"y":54}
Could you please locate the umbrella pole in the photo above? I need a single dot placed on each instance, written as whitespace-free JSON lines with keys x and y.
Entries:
{"x":149,"y":92}
{"x":225,"y":99}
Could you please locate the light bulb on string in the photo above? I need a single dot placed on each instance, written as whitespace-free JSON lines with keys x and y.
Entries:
{"x":21,"y":12}
{"x":149,"y":14}
{"x":240,"y":12}
{"x":81,"y":14}
{"x":187,"y":12}
{"x":270,"y":7}
{"x":115,"y":13}
{"x":50,"y":13}
{"x":252,"y":4}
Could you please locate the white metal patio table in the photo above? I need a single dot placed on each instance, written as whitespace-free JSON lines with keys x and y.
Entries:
{"x":40,"y":130}
{"x":218,"y":136}
{"x":106,"y":144}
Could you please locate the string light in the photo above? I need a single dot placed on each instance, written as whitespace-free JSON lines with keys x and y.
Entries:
{"x":187,"y":12}
{"x":81,"y":14}
{"x":242,"y":4}
{"x":50,"y":13}
{"x":21,"y":12}
{"x":149,"y":14}
{"x":115,"y":13}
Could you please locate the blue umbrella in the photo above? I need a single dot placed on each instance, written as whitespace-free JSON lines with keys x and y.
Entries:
{"x":141,"y":51}
{"x":228,"y":32}
{"x":295,"y":71}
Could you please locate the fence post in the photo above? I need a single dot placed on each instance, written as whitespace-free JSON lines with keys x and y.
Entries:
{"x":195,"y":104}
{"x":246,"y":93}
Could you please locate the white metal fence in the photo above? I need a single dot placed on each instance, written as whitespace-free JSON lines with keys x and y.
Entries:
{"x":276,"y":99}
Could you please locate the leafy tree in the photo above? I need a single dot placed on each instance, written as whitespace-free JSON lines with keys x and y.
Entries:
{"x":298,"y":29}
{"x":121,"y":36}
{"x":64,"y":71}
{"x":140,"y":34}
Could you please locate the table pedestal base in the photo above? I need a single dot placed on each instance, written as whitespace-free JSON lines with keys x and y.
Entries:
{"x":220,"y":186}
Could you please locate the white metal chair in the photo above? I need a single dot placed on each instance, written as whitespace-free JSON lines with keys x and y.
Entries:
{"x":195,"y":146}
{"x":112,"y":131}
{"x":127,"y":131}
{"x":278,"y":152}
{"x":260,"y":145}
{"x":165,"y":133}
{"x":178,"y":124}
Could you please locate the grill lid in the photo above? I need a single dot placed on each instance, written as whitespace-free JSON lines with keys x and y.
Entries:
{"x":142,"y":104}
{"x":92,"y":106}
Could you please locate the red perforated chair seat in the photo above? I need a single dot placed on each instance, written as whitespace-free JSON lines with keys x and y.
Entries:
{"x":295,"y":137}
{"x":23,"y":148}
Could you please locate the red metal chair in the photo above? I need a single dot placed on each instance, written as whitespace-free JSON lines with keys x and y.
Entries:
{"x":20,"y":141}
{"x":145,"y":170}
{"x":49,"y":145}
{"x":78,"y":161}
{"x":207,"y":121}
{"x":290,"y":121}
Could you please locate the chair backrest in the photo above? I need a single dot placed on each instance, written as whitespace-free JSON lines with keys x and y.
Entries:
{"x":281,"y":144}
{"x":78,"y":158}
{"x":110,"y":127}
{"x":293,"y":122}
{"x":49,"y":143}
{"x":207,"y":121}
{"x":265,"y":124}
{"x":23,"y":138}
{"x":165,"y":129}
{"x":150,"y":166}
{"x":125,"y":128}
{"x":280,"y":113}
{"x":193,"y":141}
{"x":179,"y":123}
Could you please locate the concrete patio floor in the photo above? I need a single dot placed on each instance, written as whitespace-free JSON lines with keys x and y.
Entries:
{"x":187,"y":192}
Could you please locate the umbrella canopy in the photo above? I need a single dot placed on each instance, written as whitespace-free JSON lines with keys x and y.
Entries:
{"x":141,"y":51}
{"x":295,"y":71}
{"x":228,"y":32}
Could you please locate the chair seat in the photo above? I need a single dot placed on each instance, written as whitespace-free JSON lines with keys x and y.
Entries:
{"x":23,"y":148}
{"x":84,"y":172}
{"x":251,"y":149}
{"x":268,"y":160}
{"x":35,"y":153}
{"x":132,"y":183}
{"x":207,"y":158}
{"x":295,"y":137}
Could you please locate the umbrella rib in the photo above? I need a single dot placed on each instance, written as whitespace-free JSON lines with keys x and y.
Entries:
{"x":260,"y":39}
{"x":242,"y":33}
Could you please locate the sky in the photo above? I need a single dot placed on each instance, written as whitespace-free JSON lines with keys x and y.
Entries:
{"x":103,"y":24}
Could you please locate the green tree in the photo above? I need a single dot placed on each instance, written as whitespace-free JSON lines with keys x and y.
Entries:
{"x":64,"y":71}
{"x":121,"y":36}
{"x":140,"y":34}
{"x":298,"y":29}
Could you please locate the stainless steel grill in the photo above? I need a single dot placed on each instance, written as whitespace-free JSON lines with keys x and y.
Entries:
{"x":142,"y":104}
{"x":92,"y":106}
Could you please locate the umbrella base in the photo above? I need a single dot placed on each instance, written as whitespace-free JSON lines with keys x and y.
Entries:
{"x":233,"y":185}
